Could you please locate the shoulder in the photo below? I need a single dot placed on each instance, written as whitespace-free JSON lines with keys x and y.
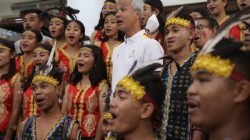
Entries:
{"x":103,"y":85}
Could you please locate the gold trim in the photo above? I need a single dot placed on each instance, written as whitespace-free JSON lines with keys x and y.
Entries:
{"x":213,"y":64}
{"x":4,"y":47}
{"x":41,"y":49}
{"x":29,"y":33}
{"x":108,"y":2}
{"x":55,"y":19}
{"x":86,"y":49}
{"x":134,"y":87}
{"x":45,"y":78}
{"x":179,"y":21}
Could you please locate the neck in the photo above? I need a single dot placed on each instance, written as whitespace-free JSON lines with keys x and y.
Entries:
{"x":143,"y":132}
{"x":182,"y":54}
{"x":4,"y":69}
{"x":28,"y":55}
{"x":85,"y":79}
{"x":220,"y":16}
{"x":133,"y":31}
{"x":231,"y":129}
{"x":52,"y":112}
{"x":60,"y":41}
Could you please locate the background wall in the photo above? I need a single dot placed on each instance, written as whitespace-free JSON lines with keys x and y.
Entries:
{"x":179,"y":2}
{"x":89,"y":12}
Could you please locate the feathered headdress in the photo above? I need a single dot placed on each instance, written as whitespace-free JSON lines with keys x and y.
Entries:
{"x":210,"y":57}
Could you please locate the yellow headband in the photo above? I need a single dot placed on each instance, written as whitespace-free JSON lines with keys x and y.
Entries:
{"x":4,"y":47}
{"x":108,"y":2}
{"x":135,"y":88}
{"x":45,"y":78}
{"x":42,"y":50}
{"x":29,"y":33}
{"x":213,"y":64}
{"x":179,"y":21}
{"x":86,"y":49}
{"x":56,"y":19}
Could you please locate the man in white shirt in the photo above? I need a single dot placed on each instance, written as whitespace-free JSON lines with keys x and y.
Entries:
{"x":137,"y":45}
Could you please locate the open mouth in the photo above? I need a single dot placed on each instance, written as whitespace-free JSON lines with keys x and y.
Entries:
{"x":119,"y":22}
{"x":192,"y":105}
{"x":25,"y":45}
{"x":108,"y":30}
{"x":243,"y":5}
{"x":53,"y":32}
{"x":212,"y":8}
{"x":28,"y":27}
{"x":39,"y":101}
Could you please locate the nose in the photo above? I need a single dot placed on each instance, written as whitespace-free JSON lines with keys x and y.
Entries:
{"x":192,"y":90}
{"x":112,"y":102}
{"x":37,"y":91}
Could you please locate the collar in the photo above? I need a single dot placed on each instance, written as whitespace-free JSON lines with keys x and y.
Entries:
{"x":134,"y":37}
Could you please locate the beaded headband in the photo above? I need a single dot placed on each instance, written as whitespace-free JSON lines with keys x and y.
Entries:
{"x":179,"y":21}
{"x":134,"y":87}
{"x":86,"y":49}
{"x":41,"y":49}
{"x":108,"y":2}
{"x":56,"y":20}
{"x":217,"y":66}
{"x":28,"y":33}
{"x":3,"y":47}
{"x":45,"y":78}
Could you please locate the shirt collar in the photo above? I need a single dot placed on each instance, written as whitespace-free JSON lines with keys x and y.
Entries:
{"x":134,"y":37}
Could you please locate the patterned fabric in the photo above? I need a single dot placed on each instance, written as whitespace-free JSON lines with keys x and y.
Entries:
{"x":22,"y":68}
{"x":61,"y":131}
{"x":85,"y":107}
{"x":29,"y":106}
{"x":107,"y":54}
{"x":65,"y":62}
{"x":6,"y":99}
{"x":175,"y":122}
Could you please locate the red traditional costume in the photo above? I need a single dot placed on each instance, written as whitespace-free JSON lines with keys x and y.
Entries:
{"x":23,"y":69}
{"x":65,"y":62}
{"x":85,"y":107}
{"x":29,"y":105}
{"x":6,"y":99}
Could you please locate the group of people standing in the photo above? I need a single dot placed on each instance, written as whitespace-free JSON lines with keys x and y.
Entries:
{"x":142,"y":77}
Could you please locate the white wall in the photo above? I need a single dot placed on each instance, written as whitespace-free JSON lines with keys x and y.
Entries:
{"x":180,"y":2}
{"x":89,"y":12}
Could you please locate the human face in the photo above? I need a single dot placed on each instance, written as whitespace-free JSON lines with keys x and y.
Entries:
{"x":110,"y":26}
{"x":73,"y":33}
{"x":195,"y":15}
{"x":177,"y":37}
{"x":202,"y":33}
{"x":126,"y":16}
{"x":40,"y":56}
{"x":28,"y":42}
{"x":210,"y":100}
{"x":85,"y":61}
{"x":216,"y":6}
{"x":45,"y":95}
{"x":243,"y":4}
{"x":32,"y":21}
{"x":56,"y":29}
{"x":5,"y":56}
{"x":125,"y":110}
{"x":108,"y":7}
{"x":246,"y":32}
{"x":148,"y":11}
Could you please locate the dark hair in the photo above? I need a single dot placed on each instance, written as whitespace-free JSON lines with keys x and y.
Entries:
{"x":120,"y":33}
{"x":82,"y":28}
{"x":231,"y":50}
{"x":201,"y":11}
{"x":185,"y":15}
{"x":154,"y":87}
{"x":23,"y":13}
{"x":65,"y":21}
{"x":38,"y":34}
{"x":212,"y":22}
{"x":97,"y":73}
{"x":12,"y":64}
{"x":27,"y":83}
{"x":100,"y":24}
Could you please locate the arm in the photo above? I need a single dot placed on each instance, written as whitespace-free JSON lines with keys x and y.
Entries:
{"x":74,"y":132}
{"x":16,"y":107}
{"x":65,"y":103}
{"x":102,"y":97}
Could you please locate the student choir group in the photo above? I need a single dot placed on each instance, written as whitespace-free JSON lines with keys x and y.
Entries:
{"x":142,"y":77}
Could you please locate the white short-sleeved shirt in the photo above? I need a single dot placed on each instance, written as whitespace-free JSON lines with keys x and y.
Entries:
{"x":140,"y":48}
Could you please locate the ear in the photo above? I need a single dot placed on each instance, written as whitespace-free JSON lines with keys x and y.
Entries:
{"x":138,"y":14}
{"x":242,"y":92}
{"x":146,"y":110}
{"x":224,"y":2}
{"x":192,"y":33}
{"x":12,"y":55}
{"x":157,"y":11}
{"x":59,"y":90}
{"x":41,"y":24}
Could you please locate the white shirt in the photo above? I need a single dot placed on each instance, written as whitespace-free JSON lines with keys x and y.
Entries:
{"x":138,"y":48}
